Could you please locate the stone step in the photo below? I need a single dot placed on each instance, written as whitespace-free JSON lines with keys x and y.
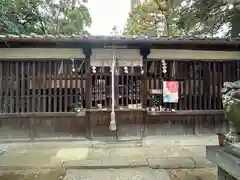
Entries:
{"x":153,"y":162}
{"x":120,"y":174}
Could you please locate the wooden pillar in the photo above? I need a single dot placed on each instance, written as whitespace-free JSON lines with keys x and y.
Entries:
{"x":88,"y":91}
{"x":116,"y":94}
{"x":144,"y":52}
{"x":32,"y":128}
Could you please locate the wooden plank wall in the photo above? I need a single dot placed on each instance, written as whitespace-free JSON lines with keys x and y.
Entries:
{"x":44,"y":86}
{"x":45,"y":95}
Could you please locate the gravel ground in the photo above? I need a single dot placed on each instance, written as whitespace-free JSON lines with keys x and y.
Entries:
{"x":33,"y":174}
{"x":193,"y":174}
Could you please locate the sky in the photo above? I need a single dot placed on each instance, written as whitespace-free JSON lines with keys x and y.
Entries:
{"x":106,"y":14}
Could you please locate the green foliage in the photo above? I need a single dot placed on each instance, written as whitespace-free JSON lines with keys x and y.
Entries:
{"x":66,"y":16}
{"x":205,"y":17}
{"x":154,"y":18}
{"x":44,"y":17}
{"x":142,"y":20}
{"x":195,"y":18}
{"x":19,"y":16}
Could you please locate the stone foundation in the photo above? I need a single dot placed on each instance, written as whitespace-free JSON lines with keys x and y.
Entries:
{"x":223,"y":175}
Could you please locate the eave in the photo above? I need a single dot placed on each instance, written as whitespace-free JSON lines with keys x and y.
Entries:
{"x":132,"y":42}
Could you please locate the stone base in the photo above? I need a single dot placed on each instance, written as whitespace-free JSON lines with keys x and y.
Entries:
{"x":227,"y":163}
{"x":233,"y":137}
{"x":223,"y":175}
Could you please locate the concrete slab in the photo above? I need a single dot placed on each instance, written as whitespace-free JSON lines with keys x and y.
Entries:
{"x":155,"y":163}
{"x":106,"y":163}
{"x":46,"y":145}
{"x":87,"y":164}
{"x":183,"y":140}
{"x":22,"y":157}
{"x":118,"y":144}
{"x":171,"y":163}
{"x":150,"y":141}
{"x":224,"y":160}
{"x":107,"y":157}
{"x":202,"y":162}
{"x":119,"y":174}
{"x":68,"y":154}
{"x":128,"y":153}
{"x":144,"y":152}
{"x":193,"y":174}
{"x":30,"y":166}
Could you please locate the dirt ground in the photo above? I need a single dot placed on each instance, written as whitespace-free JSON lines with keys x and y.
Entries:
{"x":50,"y":174}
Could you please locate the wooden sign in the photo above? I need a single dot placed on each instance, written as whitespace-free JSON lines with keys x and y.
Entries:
{"x":155,"y":91}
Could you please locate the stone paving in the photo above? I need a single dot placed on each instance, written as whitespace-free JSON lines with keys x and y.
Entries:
{"x":117,"y":174}
{"x":189,"y":157}
{"x":142,"y":174}
{"x":193,"y":174}
{"x":58,"y":174}
{"x":54,"y":154}
{"x":180,"y":153}
{"x":154,"y":163}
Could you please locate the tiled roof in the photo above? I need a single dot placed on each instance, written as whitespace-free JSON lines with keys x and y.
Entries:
{"x":75,"y":41}
{"x":60,"y":37}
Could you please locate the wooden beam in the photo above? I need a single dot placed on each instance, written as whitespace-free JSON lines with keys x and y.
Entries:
{"x":41,"y":114}
{"x":39,"y":53}
{"x":193,"y":55}
{"x":122,"y":54}
{"x":186,"y":113}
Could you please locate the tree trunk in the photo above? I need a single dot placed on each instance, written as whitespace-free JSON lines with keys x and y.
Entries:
{"x":73,"y":4}
{"x":235,"y":32}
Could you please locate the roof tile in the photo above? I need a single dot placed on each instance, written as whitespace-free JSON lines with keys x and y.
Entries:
{"x":60,"y":37}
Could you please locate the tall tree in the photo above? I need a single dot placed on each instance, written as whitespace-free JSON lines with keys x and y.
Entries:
{"x":20,"y":17}
{"x":186,"y":18}
{"x":235,"y":30}
{"x":154,"y":18}
{"x":203,"y":17}
{"x":44,"y":17}
{"x":66,"y":16}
